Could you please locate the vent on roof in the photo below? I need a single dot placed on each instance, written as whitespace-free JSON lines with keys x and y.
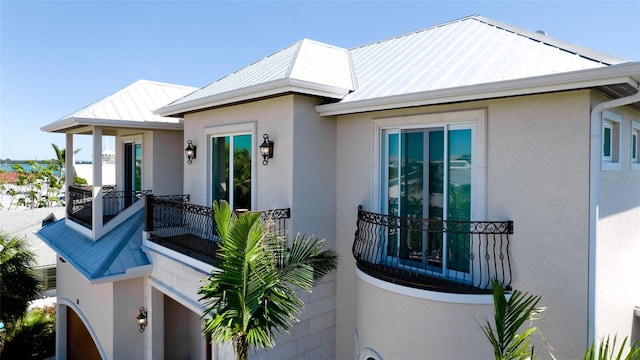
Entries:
{"x":50,"y":219}
{"x":541,"y":32}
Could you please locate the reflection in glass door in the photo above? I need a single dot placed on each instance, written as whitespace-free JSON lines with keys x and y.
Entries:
{"x":132,"y":171}
{"x":421,"y":170}
{"x":231,"y":170}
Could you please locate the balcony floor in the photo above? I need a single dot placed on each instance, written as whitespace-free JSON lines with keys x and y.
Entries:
{"x":191,"y":245}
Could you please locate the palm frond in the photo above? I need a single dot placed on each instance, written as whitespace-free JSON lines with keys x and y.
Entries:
{"x":510,"y":316}
{"x":248,"y":296}
{"x":606,"y":350}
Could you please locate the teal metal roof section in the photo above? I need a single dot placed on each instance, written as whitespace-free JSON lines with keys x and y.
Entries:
{"x":116,"y":255}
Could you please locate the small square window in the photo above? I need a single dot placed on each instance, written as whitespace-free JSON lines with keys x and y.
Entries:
{"x":610,"y":141}
{"x":606,"y":141}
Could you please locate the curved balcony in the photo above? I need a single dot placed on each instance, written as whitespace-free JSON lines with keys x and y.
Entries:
{"x":410,"y":252}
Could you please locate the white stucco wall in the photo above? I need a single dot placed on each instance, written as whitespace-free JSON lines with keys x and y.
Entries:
{"x":162,"y":159}
{"x":300,"y":176}
{"x":127,"y":300}
{"x":274,"y":117}
{"x":94,"y":302}
{"x":537,"y":163}
{"x":167,"y":162}
{"x":618,"y":240}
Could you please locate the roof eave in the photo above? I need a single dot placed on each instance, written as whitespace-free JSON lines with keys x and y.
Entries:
{"x":272,"y":88}
{"x":130,"y":273}
{"x":64,"y":125}
{"x":615,"y":74}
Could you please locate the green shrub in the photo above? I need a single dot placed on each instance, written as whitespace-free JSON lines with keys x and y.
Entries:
{"x":606,"y":350}
{"x":32,"y":337}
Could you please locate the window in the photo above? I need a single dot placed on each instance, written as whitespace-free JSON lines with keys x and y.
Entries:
{"x":132,"y":170}
{"x":232,"y":165}
{"x":432,"y":170}
{"x":635,"y":145}
{"x":610,"y":141}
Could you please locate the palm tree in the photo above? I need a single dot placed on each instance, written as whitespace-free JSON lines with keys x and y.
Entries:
{"x":18,"y":282}
{"x":510,"y":315}
{"x":60,"y":154}
{"x":251,"y":291}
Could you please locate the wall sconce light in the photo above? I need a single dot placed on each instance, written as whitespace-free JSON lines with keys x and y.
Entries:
{"x":190,"y":152}
{"x":266,"y":149}
{"x":142,"y":319}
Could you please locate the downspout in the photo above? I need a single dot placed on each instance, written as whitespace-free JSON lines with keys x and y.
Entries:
{"x":594,"y":202}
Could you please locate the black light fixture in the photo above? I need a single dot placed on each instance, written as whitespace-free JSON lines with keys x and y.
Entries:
{"x":266,"y":149}
{"x":190,"y":152}
{"x":142,"y":319}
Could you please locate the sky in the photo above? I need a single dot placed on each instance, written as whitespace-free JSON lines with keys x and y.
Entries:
{"x":57,"y":57}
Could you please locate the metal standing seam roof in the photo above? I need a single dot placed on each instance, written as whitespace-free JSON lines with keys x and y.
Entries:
{"x":24,"y":223}
{"x":134,"y":103}
{"x":116,"y":255}
{"x":470,"y":51}
{"x":307,"y":66}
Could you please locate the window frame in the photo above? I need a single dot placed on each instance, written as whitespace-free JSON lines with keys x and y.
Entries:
{"x":476,"y":117}
{"x":134,"y":140}
{"x":230,"y":130}
{"x":612,"y":122}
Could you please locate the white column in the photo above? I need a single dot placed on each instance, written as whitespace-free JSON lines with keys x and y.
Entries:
{"x":69,"y":162}
{"x":96,"y":219}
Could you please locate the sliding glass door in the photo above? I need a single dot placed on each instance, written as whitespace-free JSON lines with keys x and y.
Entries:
{"x":427,"y":174}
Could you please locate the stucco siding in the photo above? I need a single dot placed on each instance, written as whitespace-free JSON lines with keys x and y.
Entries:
{"x":167,"y":148}
{"x":537,"y":176}
{"x":300,"y":176}
{"x":273,"y":117}
{"x":95,"y":302}
{"x":128,"y":298}
{"x":618,"y":239}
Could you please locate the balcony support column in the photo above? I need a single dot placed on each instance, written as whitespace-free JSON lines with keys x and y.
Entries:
{"x":69,"y":162}
{"x":96,"y":216}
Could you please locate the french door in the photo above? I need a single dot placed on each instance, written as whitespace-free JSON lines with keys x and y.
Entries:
{"x":132,"y":171}
{"x":231,"y":170}
{"x":427,"y":174}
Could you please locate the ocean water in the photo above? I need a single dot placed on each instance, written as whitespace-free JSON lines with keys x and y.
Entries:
{"x":9,"y":167}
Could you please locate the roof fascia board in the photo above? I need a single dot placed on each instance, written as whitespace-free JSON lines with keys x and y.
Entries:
{"x":73,"y":122}
{"x":271,"y":88}
{"x":626,"y":73}
{"x":243,"y":94}
{"x":130,"y":273}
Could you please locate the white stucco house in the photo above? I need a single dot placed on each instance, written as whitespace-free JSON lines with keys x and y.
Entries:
{"x":433,"y":162}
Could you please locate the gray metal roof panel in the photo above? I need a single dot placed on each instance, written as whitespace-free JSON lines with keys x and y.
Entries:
{"x":135,"y":102}
{"x":319,"y":66}
{"x":469,"y":51}
{"x":24,"y":223}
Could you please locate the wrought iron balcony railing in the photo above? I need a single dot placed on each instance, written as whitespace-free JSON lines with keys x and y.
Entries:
{"x":80,"y":206}
{"x":174,"y":223}
{"x":439,"y":255}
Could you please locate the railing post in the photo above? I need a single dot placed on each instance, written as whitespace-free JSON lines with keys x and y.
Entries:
{"x":148,"y":212}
